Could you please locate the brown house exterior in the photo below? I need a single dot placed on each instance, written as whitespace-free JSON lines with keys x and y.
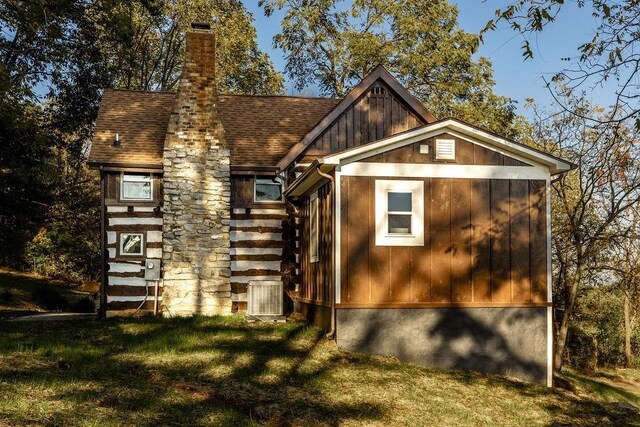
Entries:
{"x":398,"y":233}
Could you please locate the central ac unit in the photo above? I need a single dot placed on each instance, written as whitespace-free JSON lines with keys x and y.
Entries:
{"x":265,"y":298}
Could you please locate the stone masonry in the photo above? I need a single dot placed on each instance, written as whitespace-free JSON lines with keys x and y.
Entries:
{"x":197,"y":191}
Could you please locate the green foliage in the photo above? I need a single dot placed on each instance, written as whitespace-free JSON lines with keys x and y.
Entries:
{"x":56,"y":57}
{"x":597,"y":332}
{"x":334,"y":44}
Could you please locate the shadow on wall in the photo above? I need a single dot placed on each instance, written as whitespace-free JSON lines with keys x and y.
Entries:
{"x":505,"y":341}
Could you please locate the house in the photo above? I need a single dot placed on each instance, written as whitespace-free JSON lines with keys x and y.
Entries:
{"x":398,"y":233}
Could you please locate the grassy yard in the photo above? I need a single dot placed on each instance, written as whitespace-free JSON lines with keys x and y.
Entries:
{"x":23,"y":293}
{"x":221,"y":371}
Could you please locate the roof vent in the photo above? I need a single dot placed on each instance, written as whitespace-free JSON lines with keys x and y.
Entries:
{"x":445,"y":149}
{"x":200,"y":26}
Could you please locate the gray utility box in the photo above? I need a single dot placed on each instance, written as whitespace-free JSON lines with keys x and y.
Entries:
{"x":152,"y":269}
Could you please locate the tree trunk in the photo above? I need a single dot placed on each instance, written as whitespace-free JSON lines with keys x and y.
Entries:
{"x":563,"y":330}
{"x":627,"y":331}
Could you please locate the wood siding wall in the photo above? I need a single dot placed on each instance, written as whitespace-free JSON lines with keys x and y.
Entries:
{"x":256,"y":239}
{"x":125,"y":285}
{"x":242,"y":193}
{"x":467,"y":153}
{"x":317,"y":277}
{"x":485,"y":242}
{"x":372,"y":117}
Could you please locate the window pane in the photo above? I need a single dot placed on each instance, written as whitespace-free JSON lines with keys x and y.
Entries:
{"x":399,"y":202}
{"x":399,"y":224}
{"x":136,"y":190}
{"x":268,"y":190}
{"x":131,"y":244}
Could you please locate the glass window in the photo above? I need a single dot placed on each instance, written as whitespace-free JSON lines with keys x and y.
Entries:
{"x":131,"y":244}
{"x":399,"y":213}
{"x":313,"y":228}
{"x":136,"y":187}
{"x":268,"y":190}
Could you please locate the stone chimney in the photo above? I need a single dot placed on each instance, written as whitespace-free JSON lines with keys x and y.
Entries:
{"x":197,"y":190}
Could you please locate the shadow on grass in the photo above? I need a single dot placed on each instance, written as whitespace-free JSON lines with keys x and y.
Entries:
{"x":214,"y":371}
{"x":183,"y":371}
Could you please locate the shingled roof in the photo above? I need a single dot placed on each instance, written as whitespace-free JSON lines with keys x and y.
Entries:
{"x":259,"y":129}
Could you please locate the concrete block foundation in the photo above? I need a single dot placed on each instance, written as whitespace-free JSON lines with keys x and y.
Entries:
{"x":505,"y":341}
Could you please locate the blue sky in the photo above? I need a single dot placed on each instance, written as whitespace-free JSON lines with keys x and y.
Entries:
{"x":515,"y":77}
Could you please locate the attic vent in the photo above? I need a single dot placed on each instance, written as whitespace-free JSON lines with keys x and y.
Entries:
{"x":445,"y":149}
{"x":264,"y":298}
{"x":378,"y":91}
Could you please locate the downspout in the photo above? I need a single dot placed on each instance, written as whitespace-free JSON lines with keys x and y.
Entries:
{"x":332,"y":332}
{"x":103,"y":280}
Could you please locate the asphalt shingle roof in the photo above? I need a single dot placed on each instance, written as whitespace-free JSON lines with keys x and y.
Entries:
{"x":258,"y":129}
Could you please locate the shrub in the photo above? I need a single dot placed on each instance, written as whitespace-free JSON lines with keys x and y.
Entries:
{"x":50,"y":299}
{"x":83,"y":305}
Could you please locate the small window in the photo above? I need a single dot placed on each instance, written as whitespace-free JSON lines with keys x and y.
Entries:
{"x":313,"y":228}
{"x":399,"y":213}
{"x":131,"y":244}
{"x":136,"y":186}
{"x":268,"y":190}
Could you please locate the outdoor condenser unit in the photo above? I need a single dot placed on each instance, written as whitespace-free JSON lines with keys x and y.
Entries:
{"x":264,"y":298}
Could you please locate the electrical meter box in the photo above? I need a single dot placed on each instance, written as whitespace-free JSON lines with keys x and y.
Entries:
{"x":152,"y":269}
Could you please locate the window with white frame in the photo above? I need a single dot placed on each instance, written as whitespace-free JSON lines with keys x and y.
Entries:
{"x":313,"y":227}
{"x":399,"y":213}
{"x":267,"y":189}
{"x":131,"y":244}
{"x":136,"y":186}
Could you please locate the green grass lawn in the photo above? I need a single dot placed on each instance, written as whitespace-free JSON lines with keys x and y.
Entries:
{"x":221,"y":371}
{"x":23,"y":293}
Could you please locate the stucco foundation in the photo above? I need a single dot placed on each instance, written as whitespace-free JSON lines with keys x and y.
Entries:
{"x":506,"y":341}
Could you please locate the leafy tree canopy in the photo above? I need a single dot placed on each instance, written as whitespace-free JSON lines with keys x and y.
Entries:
{"x":333,"y":44}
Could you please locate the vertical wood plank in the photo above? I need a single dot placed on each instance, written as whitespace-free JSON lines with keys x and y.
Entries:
{"x":357,"y":122}
{"x":538,"y":242}
{"x":460,"y":240}
{"x":421,"y":255}
{"x":500,"y":256}
{"x":464,"y":151}
{"x":481,"y":240}
{"x":441,"y":240}
{"x":378,"y":256}
{"x":344,"y":240}
{"x":349,"y":127}
{"x":484,"y":156}
{"x":358,"y":223}
{"x":519,"y":241}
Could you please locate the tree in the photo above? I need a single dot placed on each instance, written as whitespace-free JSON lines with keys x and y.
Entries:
{"x":590,"y":204}
{"x":56,"y":56}
{"x":334,"y":45}
{"x":611,"y":53}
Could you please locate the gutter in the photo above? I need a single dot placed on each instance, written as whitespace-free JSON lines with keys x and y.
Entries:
{"x":332,"y":333}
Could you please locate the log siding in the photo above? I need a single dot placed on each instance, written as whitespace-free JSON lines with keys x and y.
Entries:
{"x":125,"y":287}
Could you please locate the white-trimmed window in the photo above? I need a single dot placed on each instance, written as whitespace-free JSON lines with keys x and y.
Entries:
{"x":267,"y":189}
{"x":314,"y":213}
{"x":399,"y":213}
{"x":131,"y":244}
{"x":136,"y":186}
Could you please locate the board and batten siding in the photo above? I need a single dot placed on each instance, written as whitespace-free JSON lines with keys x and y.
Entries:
{"x":316,"y":277}
{"x":378,"y":113}
{"x":256,"y":240}
{"x":125,"y":287}
{"x":485,"y":243}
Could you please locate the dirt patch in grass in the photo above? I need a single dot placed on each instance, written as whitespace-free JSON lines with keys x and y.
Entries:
{"x":221,"y":371}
